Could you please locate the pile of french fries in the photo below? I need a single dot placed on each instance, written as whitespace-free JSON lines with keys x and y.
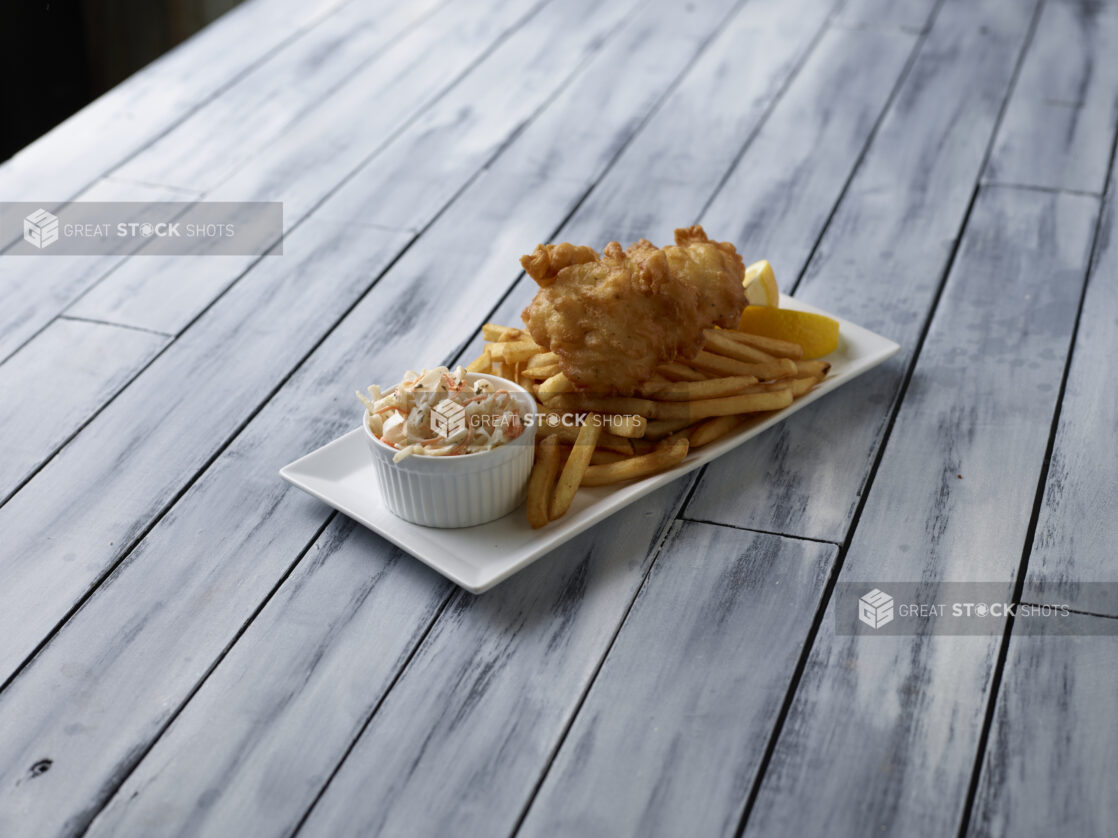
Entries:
{"x":684,"y":406}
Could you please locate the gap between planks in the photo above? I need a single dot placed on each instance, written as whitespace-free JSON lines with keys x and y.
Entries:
{"x":684,"y":517}
{"x":1073,"y":610}
{"x":1052,"y":190}
{"x":128,"y":326}
{"x":192,"y":194}
{"x":73,"y":434}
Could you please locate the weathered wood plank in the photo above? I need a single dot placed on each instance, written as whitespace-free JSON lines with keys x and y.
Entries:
{"x":1053,"y":748}
{"x":776,"y":202}
{"x":229,"y":568}
{"x":657,"y":186}
{"x":316,"y":155}
{"x":204,"y":419}
{"x":53,"y":385}
{"x":718,"y":71}
{"x":835,"y":97}
{"x":64,"y":162}
{"x":902,"y":715}
{"x":211,"y":368}
{"x":670,"y":181}
{"x":671,"y":734}
{"x":497,"y":677}
{"x":353,"y":604}
{"x":190,"y":570}
{"x":452,"y":221}
{"x":289,"y":87}
{"x":448,"y":143}
{"x":34,"y":289}
{"x":879,"y":264}
{"x":122,"y":469}
{"x":1073,"y":549}
{"x":1059,"y":126}
{"x":913,"y":15}
{"x":266,"y":742}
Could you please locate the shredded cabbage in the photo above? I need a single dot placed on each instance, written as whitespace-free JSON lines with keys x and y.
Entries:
{"x":468,"y":417}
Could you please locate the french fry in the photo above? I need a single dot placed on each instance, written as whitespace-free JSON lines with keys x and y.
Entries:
{"x":654,"y":385}
{"x":482,"y":363}
{"x":540,"y":373}
{"x":569,"y":433}
{"x":720,"y":344}
{"x":800,"y":386}
{"x":711,"y":429}
{"x":671,"y":439}
{"x":818,"y":369}
{"x":543,"y":359}
{"x":601,"y":457}
{"x":513,"y":351}
{"x":544,"y":472}
{"x":495,"y":332}
{"x":558,"y":383}
{"x":601,"y":404}
{"x":676,"y":371}
{"x":628,"y":425}
{"x":708,"y":388}
{"x":613,"y":442}
{"x":660,"y":428}
{"x":684,"y":405}
{"x":655,"y":461}
{"x":774,"y":346}
{"x":779,"y":368}
{"x":575,"y":468}
{"x":729,"y":405}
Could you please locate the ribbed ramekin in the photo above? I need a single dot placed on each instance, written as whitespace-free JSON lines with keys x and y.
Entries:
{"x":462,"y":490}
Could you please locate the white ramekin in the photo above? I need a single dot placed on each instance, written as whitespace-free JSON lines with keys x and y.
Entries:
{"x":461,"y":490}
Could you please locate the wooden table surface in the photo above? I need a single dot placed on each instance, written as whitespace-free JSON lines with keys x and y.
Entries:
{"x":188,"y":646}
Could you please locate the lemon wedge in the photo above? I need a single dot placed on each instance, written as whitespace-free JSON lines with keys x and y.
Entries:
{"x":818,"y":335}
{"x":760,"y":285}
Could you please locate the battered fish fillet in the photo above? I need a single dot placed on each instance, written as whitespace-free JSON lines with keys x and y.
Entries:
{"x":613,"y":318}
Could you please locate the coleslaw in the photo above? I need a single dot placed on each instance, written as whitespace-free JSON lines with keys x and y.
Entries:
{"x":436,"y":413}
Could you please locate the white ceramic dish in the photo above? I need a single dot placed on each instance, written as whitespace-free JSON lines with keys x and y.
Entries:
{"x":461,"y":491}
{"x":477,"y":558}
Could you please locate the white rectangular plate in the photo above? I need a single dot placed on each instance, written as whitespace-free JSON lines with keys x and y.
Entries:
{"x":477,"y":558}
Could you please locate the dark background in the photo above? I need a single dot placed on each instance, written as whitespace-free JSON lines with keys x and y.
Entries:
{"x":58,"y":55}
